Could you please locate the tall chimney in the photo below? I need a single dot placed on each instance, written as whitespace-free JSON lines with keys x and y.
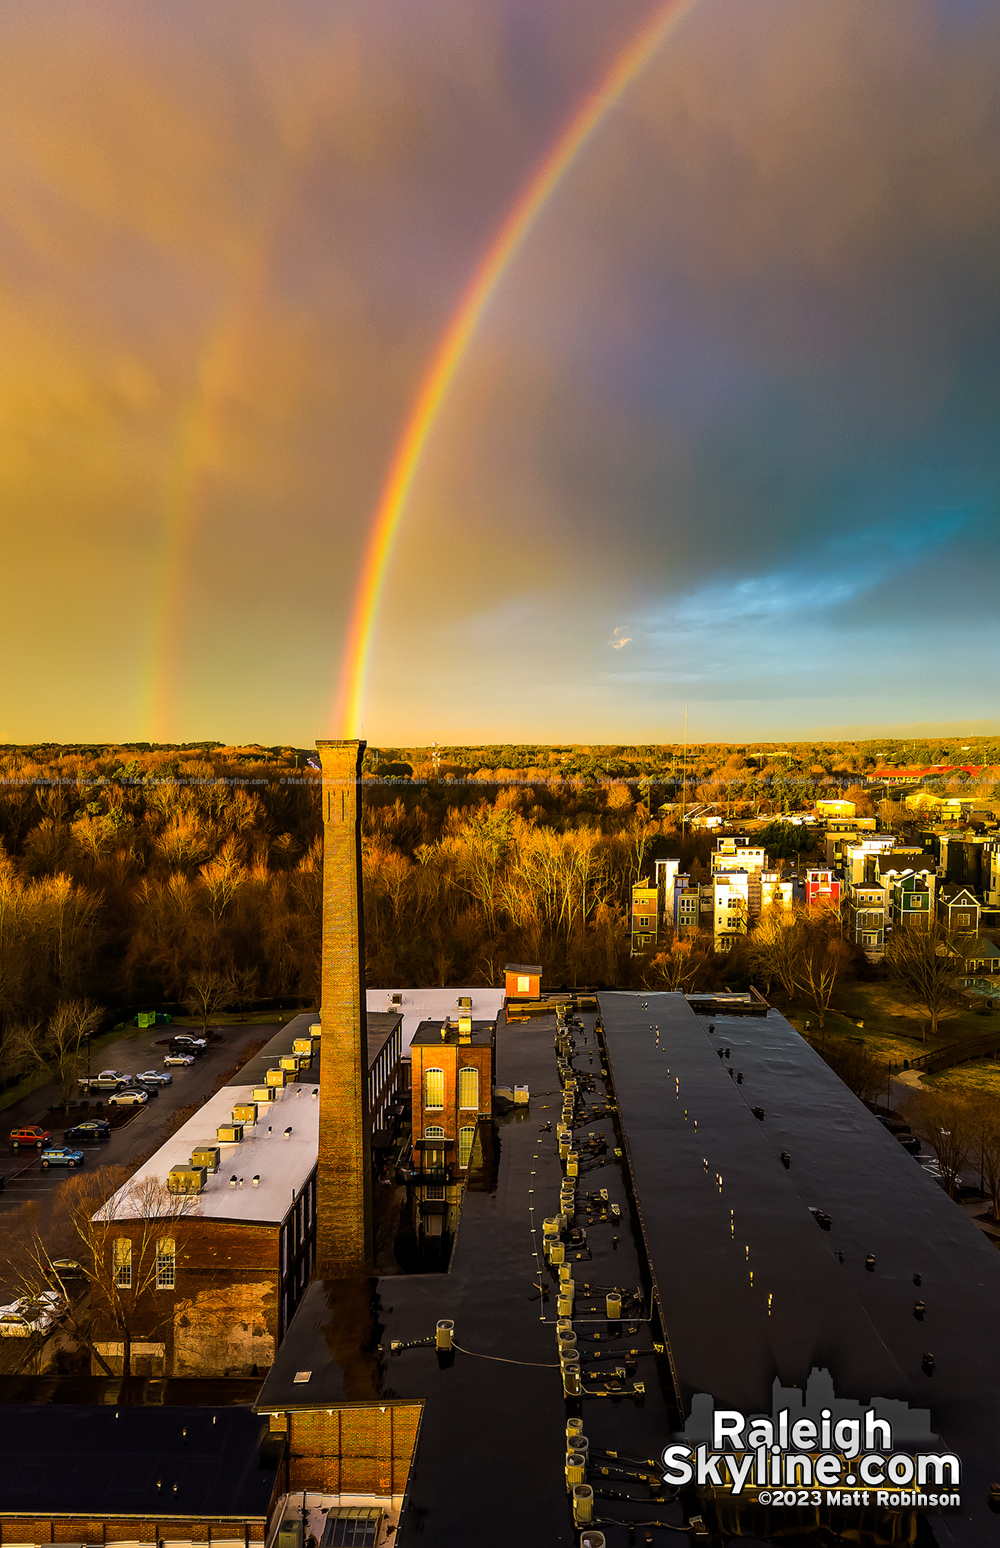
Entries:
{"x":344,"y":1224}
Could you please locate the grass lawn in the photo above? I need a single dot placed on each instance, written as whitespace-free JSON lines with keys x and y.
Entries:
{"x":894,"y":1030}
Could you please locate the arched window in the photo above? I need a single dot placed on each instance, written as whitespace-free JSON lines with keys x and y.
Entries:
{"x":166,"y":1263}
{"x":465,"y":1139}
{"x":434,"y":1131}
{"x":468,"y":1089}
{"x":123,"y":1262}
{"x":434,"y":1088}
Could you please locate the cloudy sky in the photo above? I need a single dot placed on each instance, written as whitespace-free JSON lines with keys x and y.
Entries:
{"x":727,"y":435}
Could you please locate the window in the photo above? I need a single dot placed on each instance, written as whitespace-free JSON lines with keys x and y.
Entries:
{"x":434,"y":1193}
{"x":465,"y":1139}
{"x":523,"y":984}
{"x":434,"y":1131}
{"x":166,"y":1263}
{"x":468,"y":1088}
{"x":123,"y":1262}
{"x":434,"y":1088}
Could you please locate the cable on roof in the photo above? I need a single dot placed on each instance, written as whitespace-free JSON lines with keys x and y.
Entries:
{"x":539,"y":1365}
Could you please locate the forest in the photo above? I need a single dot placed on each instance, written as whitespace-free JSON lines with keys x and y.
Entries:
{"x":151,"y":877}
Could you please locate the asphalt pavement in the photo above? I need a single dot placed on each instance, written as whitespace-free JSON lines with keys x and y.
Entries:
{"x":145,"y":1127}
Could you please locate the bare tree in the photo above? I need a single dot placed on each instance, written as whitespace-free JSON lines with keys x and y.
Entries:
{"x":127,"y":1234}
{"x":986,"y":1123}
{"x":58,"y":1046}
{"x":774,"y":950}
{"x":677,"y":966}
{"x":821,"y":965}
{"x":206,"y":993}
{"x":924,"y":961}
{"x":948,"y":1122}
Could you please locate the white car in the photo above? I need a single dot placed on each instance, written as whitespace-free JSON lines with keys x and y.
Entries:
{"x":178,"y":1060}
{"x":156,"y":1077}
{"x":31,"y":1314}
{"x":128,"y":1099}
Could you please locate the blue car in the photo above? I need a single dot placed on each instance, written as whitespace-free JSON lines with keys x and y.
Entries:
{"x":62,"y":1155}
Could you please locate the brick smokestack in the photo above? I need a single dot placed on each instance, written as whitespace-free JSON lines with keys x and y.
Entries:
{"x":344,"y":1226}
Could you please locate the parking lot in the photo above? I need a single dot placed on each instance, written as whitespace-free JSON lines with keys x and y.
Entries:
{"x":144,"y":1128}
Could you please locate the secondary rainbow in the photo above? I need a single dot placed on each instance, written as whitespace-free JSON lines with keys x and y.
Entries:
{"x":455,"y":341}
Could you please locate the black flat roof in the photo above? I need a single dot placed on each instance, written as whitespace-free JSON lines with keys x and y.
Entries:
{"x":858,"y":1324}
{"x":484,"y":1419}
{"x":131,"y":1391}
{"x":116,"y":1461}
{"x":429,"y":1032}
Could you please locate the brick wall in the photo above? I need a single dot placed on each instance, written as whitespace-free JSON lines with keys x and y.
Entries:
{"x":353,"y":1450}
{"x":450,"y":1057}
{"x":83,"y":1529}
{"x":223,"y":1315}
{"x":344,"y":1235}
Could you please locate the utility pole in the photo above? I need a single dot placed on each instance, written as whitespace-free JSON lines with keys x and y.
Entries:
{"x":684,"y":775}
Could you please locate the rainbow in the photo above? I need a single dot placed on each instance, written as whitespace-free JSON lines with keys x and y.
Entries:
{"x":457,"y":337}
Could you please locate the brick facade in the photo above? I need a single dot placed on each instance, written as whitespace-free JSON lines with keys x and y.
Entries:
{"x":344,"y":1241}
{"x":359,"y":1449}
{"x":233,"y":1533}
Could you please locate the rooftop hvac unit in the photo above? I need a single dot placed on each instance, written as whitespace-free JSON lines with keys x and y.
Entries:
{"x":263,"y":1093}
{"x":465,"y":1029}
{"x":229,"y":1133}
{"x":275,"y":1077}
{"x":245,"y":1112}
{"x":290,"y":1063}
{"x":520,"y":1096}
{"x":186,"y":1179}
{"x":465,"y":1002}
{"x":303,"y":1046}
{"x":206,"y":1157}
{"x":395,"y":999}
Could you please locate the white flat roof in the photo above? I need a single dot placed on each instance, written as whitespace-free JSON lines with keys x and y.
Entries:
{"x":420,"y":1005}
{"x":282,"y":1164}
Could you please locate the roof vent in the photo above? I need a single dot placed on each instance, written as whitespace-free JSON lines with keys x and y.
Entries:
{"x":288,"y":1132}
{"x":232,"y":1181}
{"x":256,"y":1180}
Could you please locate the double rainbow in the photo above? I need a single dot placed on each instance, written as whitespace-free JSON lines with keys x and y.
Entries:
{"x":455,"y":341}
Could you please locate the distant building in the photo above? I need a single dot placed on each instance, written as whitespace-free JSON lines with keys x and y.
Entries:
{"x":645,"y":917}
{"x":833,"y":808}
{"x":823,"y":887}
{"x":958,"y":908}
{"x":867,"y":915}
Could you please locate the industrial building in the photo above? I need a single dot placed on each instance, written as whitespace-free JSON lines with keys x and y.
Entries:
{"x":685,"y":1216}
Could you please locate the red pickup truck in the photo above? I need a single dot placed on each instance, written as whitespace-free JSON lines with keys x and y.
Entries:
{"x":30,"y":1136}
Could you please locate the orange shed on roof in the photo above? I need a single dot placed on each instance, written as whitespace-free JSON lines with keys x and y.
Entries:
{"x":523,"y":982}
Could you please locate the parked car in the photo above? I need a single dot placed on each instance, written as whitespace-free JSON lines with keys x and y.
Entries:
{"x":118,"y":1075}
{"x":155,"y":1078}
{"x":176,"y":1060}
{"x":182,"y":1043}
{"x":31,"y":1314}
{"x":108,"y":1080}
{"x":147,"y":1086}
{"x":131,"y":1098}
{"x":31,"y":1136}
{"x":62,"y":1155}
{"x":909,"y":1142}
{"x":88,"y":1129}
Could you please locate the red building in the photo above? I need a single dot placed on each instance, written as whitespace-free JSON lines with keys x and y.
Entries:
{"x":823,"y":888}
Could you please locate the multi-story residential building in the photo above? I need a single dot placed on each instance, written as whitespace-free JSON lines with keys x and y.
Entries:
{"x":735,"y":854}
{"x":958,"y":908}
{"x":777,"y":890}
{"x":860,"y":856}
{"x":645,"y":917}
{"x":868,"y":918}
{"x":823,"y":887}
{"x":687,"y":906}
{"x":730,"y":907}
{"x":842,"y":831}
{"x":665,"y":875}
{"x":910,"y":901}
